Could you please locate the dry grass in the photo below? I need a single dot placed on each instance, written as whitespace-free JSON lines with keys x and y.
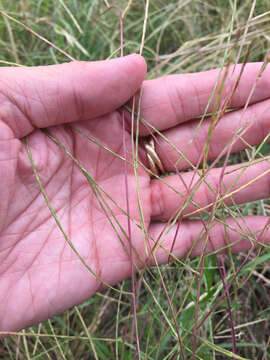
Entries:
{"x":182,"y":37}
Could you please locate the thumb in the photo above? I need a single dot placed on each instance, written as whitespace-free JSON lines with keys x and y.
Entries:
{"x":43,"y":96}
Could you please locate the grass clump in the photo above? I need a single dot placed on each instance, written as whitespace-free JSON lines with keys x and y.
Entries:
{"x":209,"y":307}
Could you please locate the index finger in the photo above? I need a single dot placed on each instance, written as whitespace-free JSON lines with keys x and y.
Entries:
{"x":174,"y":99}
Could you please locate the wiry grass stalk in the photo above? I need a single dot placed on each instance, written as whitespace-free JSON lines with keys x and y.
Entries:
{"x":174,"y":301}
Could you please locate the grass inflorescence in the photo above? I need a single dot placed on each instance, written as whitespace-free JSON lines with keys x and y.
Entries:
{"x":212,"y":306}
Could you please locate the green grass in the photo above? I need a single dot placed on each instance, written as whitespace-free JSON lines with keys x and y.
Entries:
{"x":182,"y":36}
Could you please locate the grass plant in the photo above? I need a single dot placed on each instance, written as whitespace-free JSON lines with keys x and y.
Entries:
{"x":209,"y":307}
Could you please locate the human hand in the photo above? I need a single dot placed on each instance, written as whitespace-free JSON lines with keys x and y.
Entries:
{"x":40,"y":275}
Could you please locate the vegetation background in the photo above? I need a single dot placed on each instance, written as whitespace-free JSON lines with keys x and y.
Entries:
{"x":182,"y":36}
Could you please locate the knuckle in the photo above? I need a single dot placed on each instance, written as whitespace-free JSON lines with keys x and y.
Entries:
{"x":157,"y":199}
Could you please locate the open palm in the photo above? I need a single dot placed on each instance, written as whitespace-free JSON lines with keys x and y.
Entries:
{"x":40,"y":274}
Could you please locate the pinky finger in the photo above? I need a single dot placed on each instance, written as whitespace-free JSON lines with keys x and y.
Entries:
{"x":193,"y":237}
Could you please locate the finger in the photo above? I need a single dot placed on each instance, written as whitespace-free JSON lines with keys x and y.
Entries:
{"x":190,"y":237}
{"x":240,"y":184}
{"x":174,"y":99}
{"x":245,"y":128}
{"x":50,"y":95}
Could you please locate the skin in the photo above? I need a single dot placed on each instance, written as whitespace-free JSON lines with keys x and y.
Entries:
{"x":40,"y":275}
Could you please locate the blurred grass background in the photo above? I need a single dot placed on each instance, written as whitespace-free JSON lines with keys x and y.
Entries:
{"x":182,"y":36}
